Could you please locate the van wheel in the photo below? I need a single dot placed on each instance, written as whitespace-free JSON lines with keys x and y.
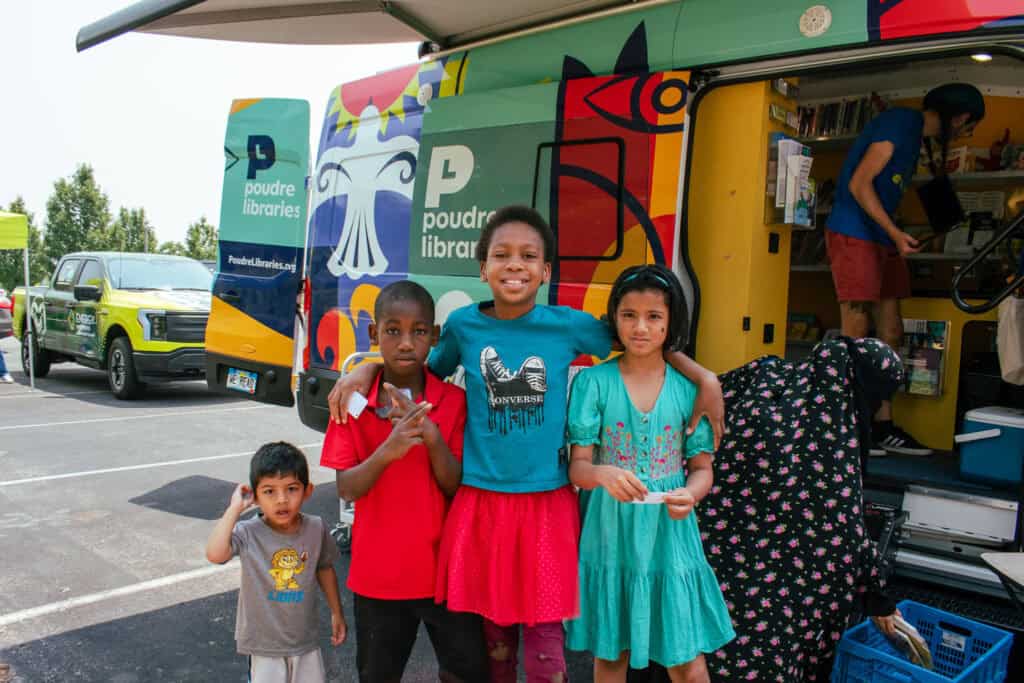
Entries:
{"x":40,"y":357}
{"x":124,"y":384}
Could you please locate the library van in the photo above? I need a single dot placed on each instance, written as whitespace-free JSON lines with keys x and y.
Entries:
{"x":706,"y":135}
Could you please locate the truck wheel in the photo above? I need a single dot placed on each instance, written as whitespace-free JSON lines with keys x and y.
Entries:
{"x":124,"y":384}
{"x":40,"y":358}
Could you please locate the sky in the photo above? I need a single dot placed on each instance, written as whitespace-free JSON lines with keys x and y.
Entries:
{"x":147,"y":112}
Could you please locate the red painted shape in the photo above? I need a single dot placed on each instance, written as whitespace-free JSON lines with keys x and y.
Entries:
{"x":927,"y":17}
{"x":382,"y":89}
{"x":327,"y":336}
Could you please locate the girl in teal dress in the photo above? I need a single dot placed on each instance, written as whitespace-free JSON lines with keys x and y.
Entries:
{"x":646,"y":591}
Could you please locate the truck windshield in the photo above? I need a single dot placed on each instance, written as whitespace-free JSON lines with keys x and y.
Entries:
{"x":155,"y":272}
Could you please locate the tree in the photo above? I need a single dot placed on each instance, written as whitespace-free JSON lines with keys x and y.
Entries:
{"x":130,"y":231}
{"x":76,"y":210}
{"x":12,"y":268}
{"x":173,"y":248}
{"x":201,"y":241}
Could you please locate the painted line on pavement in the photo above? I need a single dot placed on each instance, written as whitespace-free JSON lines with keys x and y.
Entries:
{"x":40,"y":393}
{"x":70,"y":603}
{"x":134,"y":417}
{"x":86,"y":473}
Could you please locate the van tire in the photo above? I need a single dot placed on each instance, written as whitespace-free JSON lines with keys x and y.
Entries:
{"x":124,"y":383}
{"x":40,"y":357}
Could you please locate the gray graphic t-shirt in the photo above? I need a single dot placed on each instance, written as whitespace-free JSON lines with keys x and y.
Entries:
{"x":277,"y":603}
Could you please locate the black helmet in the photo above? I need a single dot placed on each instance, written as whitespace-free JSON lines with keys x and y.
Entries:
{"x":954,"y":99}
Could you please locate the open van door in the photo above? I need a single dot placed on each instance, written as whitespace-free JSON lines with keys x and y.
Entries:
{"x":250,"y":336}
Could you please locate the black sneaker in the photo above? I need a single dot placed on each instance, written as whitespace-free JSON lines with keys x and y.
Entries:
{"x":895,"y":440}
{"x":874,"y":450}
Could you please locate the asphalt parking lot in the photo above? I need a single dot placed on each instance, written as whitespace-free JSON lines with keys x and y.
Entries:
{"x":105,"y":507}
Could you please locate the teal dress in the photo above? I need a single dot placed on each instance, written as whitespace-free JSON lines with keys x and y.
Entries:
{"x":645,"y":585}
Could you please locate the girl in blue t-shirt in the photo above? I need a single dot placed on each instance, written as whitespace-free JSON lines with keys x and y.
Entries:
{"x":509,"y":547}
{"x":647,"y":592}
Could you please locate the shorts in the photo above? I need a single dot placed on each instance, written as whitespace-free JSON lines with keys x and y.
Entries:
{"x":866,"y":271}
{"x":386,"y":632}
{"x":304,"y":668}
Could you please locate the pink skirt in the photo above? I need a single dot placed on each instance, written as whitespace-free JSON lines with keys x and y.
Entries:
{"x":511,"y":557}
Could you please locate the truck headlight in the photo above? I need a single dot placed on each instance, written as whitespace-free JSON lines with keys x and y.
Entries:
{"x":154,"y":325}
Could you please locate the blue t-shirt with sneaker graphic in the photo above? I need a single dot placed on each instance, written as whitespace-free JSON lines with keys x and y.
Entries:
{"x":517,"y":376}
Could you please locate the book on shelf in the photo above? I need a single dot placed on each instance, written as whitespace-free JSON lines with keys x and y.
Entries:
{"x":844,"y":117}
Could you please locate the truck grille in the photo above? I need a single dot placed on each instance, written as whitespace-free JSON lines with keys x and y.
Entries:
{"x":186,"y":327}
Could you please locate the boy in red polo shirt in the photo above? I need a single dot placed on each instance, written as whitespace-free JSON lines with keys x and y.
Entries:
{"x":401,"y":477}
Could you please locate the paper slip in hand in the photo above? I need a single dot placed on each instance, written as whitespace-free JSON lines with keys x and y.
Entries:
{"x":653,"y":498}
{"x":356,"y":403}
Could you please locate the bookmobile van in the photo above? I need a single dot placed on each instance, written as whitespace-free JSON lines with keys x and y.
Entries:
{"x":643,"y":133}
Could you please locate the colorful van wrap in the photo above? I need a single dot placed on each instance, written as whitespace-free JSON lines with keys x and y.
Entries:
{"x":588,"y":123}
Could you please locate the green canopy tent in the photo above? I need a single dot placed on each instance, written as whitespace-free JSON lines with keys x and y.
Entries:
{"x":14,"y":235}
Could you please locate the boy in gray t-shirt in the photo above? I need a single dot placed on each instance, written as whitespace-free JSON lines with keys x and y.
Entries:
{"x":277,"y":602}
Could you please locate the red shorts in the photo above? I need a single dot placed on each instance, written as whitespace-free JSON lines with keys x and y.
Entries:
{"x":866,"y":271}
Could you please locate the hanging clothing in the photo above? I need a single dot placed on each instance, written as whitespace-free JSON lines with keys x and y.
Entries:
{"x":783,"y":526}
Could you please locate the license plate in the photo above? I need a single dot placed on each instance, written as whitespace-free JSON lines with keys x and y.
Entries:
{"x":242,"y":380}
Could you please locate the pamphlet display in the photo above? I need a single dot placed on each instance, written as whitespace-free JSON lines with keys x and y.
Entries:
{"x":924,"y":355}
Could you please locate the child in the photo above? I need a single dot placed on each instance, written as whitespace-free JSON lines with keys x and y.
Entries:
{"x":510,"y":540}
{"x":648,"y":594}
{"x":277,"y":606}
{"x":402,"y":478}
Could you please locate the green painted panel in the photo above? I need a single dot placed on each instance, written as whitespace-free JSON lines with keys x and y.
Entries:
{"x":678,"y":35}
{"x":266,"y":150}
{"x":477,"y":154}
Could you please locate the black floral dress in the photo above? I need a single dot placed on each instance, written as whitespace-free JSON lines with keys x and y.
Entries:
{"x":783,"y":525}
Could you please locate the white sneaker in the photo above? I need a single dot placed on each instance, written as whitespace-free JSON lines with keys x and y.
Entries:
{"x":7,"y":379}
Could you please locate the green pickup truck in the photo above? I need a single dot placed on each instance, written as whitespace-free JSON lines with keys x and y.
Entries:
{"x":140,"y":317}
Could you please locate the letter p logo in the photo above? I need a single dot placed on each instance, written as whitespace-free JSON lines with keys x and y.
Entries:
{"x":261,"y":154}
{"x":451,"y":167}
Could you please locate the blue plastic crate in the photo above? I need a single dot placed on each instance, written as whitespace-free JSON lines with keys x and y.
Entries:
{"x":963,"y":651}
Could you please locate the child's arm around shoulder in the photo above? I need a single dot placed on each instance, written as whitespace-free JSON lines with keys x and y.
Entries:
{"x":218,"y":546}
{"x":709,"y":393}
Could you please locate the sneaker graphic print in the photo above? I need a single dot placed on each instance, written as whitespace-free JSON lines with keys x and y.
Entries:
{"x":514,"y":399}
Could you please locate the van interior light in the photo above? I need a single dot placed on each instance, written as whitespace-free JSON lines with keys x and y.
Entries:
{"x":981,"y":57}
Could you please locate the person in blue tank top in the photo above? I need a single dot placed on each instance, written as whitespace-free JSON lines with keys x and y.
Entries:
{"x":866,"y":249}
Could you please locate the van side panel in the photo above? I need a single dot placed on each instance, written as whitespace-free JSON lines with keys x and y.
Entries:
{"x":701,"y":32}
{"x":260,"y":248}
{"x":361,"y":200}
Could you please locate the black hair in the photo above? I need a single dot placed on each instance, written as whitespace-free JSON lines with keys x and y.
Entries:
{"x":279,"y":458}
{"x":660,"y":279}
{"x":513,"y":214}
{"x":404,"y":290}
{"x":949,"y":101}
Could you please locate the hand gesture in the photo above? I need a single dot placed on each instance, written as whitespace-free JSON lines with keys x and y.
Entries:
{"x":339,"y":629}
{"x":906,"y":244}
{"x":622,"y":485}
{"x":680,"y":503}
{"x":401,"y":404}
{"x":242,"y":499}
{"x":710,"y":403}
{"x":406,"y":432}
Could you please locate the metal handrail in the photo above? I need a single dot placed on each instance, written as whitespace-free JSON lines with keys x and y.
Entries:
{"x":996,"y":240}
{"x":357,"y":356}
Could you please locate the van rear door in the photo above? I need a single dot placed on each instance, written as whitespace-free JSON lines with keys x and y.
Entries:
{"x":250,"y":336}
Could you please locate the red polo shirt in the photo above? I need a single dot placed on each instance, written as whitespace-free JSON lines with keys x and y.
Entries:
{"x":398,"y":523}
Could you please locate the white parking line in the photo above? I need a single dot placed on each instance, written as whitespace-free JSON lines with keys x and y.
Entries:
{"x":86,"y":473}
{"x":42,"y":610}
{"x":135,"y":417}
{"x":40,"y":393}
